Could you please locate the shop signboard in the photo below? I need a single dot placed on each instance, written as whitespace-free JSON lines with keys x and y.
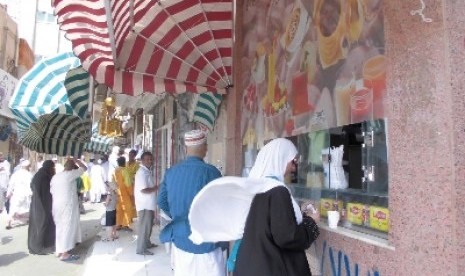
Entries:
{"x":310,"y":65}
{"x":7,"y":88}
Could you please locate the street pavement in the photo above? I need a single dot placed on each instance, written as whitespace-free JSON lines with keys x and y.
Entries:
{"x":16,"y":260}
{"x":97,"y":257}
{"x":119,"y":257}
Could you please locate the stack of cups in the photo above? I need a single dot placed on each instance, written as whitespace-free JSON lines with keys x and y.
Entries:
{"x":333,"y":219}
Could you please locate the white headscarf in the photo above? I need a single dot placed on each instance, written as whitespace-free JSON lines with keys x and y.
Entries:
{"x":273,"y":158}
{"x":272,"y":161}
{"x":219,"y":211}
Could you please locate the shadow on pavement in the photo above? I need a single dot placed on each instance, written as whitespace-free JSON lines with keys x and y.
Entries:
{"x":87,"y":211}
{"x":6,"y":240}
{"x":90,"y":228}
{"x":7,"y":259}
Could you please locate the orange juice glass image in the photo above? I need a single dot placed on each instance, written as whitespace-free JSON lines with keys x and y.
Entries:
{"x":374,"y":77}
{"x":299,"y":94}
{"x":361,"y":105}
{"x":342,"y":91}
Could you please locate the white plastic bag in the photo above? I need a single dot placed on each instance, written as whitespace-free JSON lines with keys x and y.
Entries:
{"x":334,"y":173}
{"x":164,"y":220}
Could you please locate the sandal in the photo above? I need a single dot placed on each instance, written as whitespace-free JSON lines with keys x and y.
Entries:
{"x":152,"y":245}
{"x":70,"y":258}
{"x":126,"y":228}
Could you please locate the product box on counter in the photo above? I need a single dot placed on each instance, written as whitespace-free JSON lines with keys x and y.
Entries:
{"x":327,"y":204}
{"x":379,"y":218}
{"x":355,"y":213}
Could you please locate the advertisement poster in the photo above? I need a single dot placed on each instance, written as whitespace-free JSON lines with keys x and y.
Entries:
{"x":310,"y":65}
{"x":7,"y":88}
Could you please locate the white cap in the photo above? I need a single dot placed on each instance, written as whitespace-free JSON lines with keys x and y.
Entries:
{"x":194,"y":138}
{"x":25,"y":163}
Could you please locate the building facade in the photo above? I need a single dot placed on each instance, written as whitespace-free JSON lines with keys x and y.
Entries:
{"x":416,"y":51}
{"x":38,"y":26}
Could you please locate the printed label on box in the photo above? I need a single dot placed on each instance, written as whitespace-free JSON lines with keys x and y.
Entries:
{"x":379,"y":218}
{"x":355,"y":213}
{"x":327,"y":204}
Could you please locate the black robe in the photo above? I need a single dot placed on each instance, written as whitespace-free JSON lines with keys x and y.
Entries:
{"x":273,"y":244}
{"x":41,"y":232}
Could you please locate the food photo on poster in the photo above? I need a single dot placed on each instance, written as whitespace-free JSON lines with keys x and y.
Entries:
{"x":311,"y":65}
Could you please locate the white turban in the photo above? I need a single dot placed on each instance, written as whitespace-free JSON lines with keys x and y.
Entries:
{"x":194,"y":138}
{"x":25,"y":163}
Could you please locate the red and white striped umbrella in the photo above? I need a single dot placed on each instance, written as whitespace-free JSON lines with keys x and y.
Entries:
{"x":137,"y":46}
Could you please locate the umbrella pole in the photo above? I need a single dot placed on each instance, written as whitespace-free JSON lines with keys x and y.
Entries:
{"x":90,"y":106}
{"x":111,"y":32}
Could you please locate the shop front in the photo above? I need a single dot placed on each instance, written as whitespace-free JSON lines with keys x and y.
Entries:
{"x":370,"y":106}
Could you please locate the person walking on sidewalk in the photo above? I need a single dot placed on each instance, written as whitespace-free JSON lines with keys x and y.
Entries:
{"x":65,"y":208}
{"x":276,"y":232}
{"x":125,"y":211}
{"x":110,"y":212}
{"x":97,"y":182}
{"x":179,"y":187}
{"x":19,"y":193}
{"x":41,"y":232}
{"x":144,"y":193}
{"x":132,"y":166}
{"x":4,"y":179}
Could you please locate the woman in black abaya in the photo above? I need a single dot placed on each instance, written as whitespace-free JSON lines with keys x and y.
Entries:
{"x":41,"y":232}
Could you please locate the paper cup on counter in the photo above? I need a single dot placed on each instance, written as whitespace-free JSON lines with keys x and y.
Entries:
{"x":333,"y":219}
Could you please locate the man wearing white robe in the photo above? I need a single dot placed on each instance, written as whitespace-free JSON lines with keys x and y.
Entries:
{"x":179,"y":186}
{"x":106,"y":173}
{"x":40,"y":162}
{"x":58,"y":167}
{"x":19,"y":193}
{"x":65,"y":208}
{"x":112,"y":163}
{"x":97,"y":182}
{"x":4,"y":179}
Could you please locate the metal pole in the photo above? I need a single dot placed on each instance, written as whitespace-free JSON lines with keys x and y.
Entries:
{"x":90,"y":107}
{"x":59,"y":40}
{"x":111,"y":32}
{"x":34,"y":33}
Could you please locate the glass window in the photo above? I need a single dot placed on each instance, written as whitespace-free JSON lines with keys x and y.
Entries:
{"x":41,"y":16}
{"x":345,"y":169}
{"x":51,"y":18}
{"x":45,"y":17}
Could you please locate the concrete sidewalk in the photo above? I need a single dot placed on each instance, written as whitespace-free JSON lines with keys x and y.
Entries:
{"x":119,"y":257}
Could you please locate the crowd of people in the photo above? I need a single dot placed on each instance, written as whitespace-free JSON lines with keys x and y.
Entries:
{"x":269,"y":230}
{"x":50,"y":199}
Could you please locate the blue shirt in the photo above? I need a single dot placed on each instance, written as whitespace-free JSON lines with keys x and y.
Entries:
{"x":179,"y":187}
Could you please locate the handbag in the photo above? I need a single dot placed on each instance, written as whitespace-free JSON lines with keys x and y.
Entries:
{"x":231,"y":263}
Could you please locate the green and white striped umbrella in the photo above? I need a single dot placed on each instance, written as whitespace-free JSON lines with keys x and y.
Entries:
{"x":206,"y":109}
{"x":98,"y":143}
{"x":57,"y":134}
{"x":50,"y":104}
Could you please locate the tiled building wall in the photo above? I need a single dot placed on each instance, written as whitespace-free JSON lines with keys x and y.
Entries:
{"x":455,"y":30}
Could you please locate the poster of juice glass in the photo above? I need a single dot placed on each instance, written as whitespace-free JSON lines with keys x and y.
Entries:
{"x":309,"y":65}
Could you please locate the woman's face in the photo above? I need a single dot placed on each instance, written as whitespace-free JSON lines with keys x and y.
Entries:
{"x":291,"y":166}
